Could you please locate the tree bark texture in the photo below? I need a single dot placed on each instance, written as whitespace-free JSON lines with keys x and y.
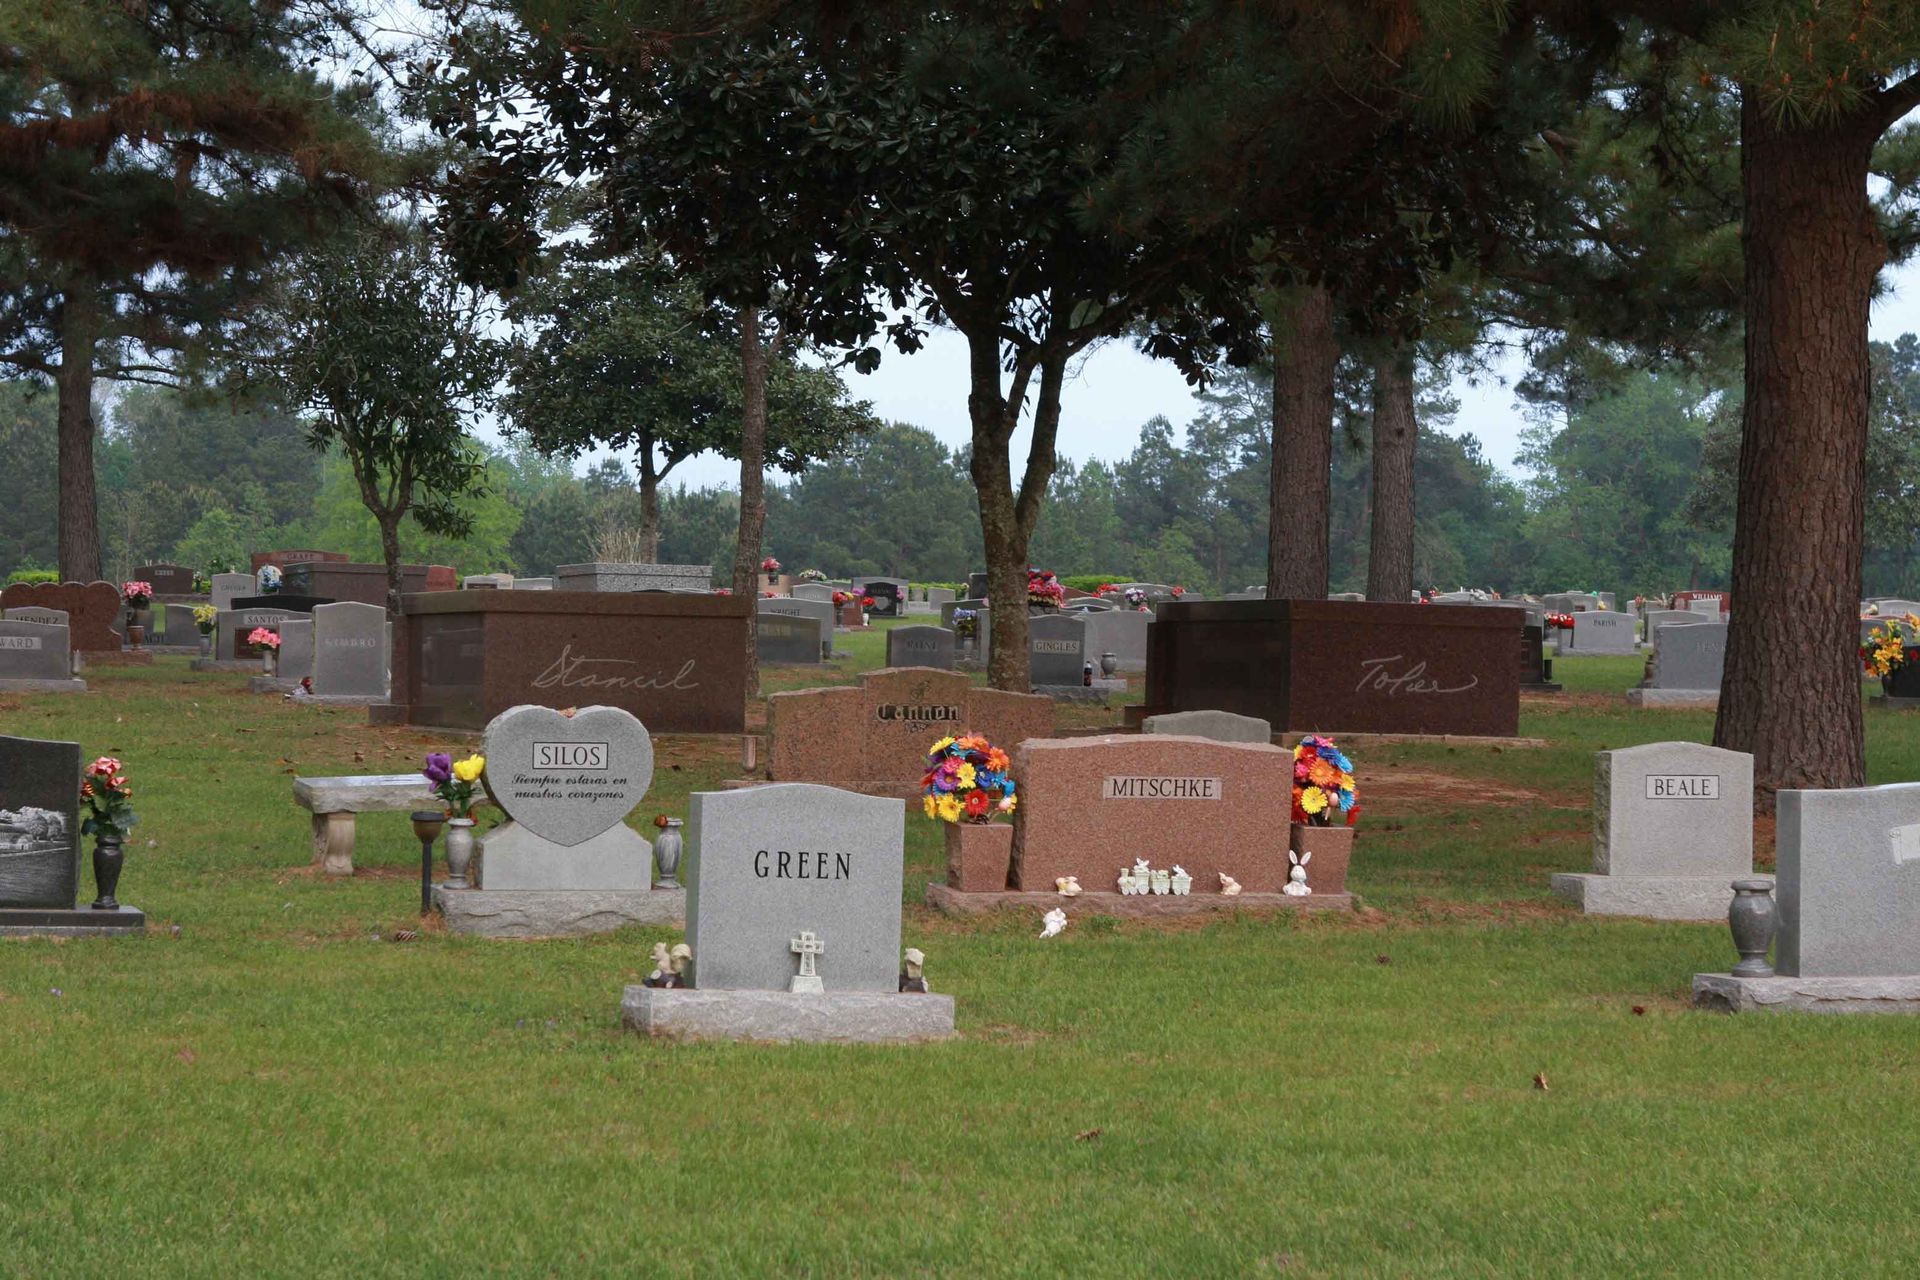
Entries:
{"x":753,"y":475}
{"x":79,"y":502}
{"x":390,"y":552}
{"x":1395,"y":437}
{"x":1304,"y":353}
{"x":1790,"y":693}
{"x":649,"y":507}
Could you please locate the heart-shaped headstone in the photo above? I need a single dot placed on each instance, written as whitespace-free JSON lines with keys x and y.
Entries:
{"x":567,"y":778}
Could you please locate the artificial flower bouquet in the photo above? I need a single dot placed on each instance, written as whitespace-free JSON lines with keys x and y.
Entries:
{"x":769,"y":565}
{"x":454,"y":781}
{"x":109,"y":800}
{"x":264,"y":638}
{"x":966,"y":623}
{"x":812,"y":575}
{"x":1044,"y":589}
{"x":967,"y":781}
{"x":1322,"y":783}
{"x":1890,"y":647}
{"x":269,"y":579}
{"x":205,"y":618}
{"x":137,"y":595}
{"x":1559,"y":622}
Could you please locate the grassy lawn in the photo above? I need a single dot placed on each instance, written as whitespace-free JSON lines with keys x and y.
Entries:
{"x":279,"y":1089}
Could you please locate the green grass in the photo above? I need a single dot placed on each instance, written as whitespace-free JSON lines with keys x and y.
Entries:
{"x":275,"y":1091}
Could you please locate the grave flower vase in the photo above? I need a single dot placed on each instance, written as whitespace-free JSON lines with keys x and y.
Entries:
{"x":460,"y":845}
{"x":1332,"y":850}
{"x":268,"y":661}
{"x":1902,"y":682}
{"x":1754,"y":919}
{"x":206,"y":645}
{"x":108,"y":858}
{"x":666,"y":854}
{"x":978,"y":855}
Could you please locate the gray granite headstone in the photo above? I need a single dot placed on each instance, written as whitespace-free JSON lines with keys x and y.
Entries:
{"x":235,"y":625}
{"x":781,"y":637}
{"x":1711,"y":607}
{"x":35,"y":613}
{"x":228,"y":587}
{"x":617,"y":576}
{"x":1602,"y":632}
{"x":176,"y":623}
{"x":1689,"y":657}
{"x":1849,"y":882}
{"x":39,"y":822}
{"x":768,"y":863}
{"x":567,"y":778}
{"x":813,"y":591}
{"x":1057,"y":648}
{"x":1220,"y":726}
{"x":296,"y":649}
{"x":937,"y":596}
{"x":34,"y":651}
{"x":1673,"y":809}
{"x":821,"y":612}
{"x":920,"y":647}
{"x":1121,"y":632}
{"x":1658,"y":618}
{"x":947,"y":609}
{"x":350,"y":650}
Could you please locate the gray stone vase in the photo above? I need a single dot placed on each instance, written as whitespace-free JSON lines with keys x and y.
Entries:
{"x":459,"y":851}
{"x":666,"y":854}
{"x":1753,"y":918}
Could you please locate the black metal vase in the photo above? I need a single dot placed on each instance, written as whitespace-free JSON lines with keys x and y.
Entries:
{"x":108,"y":858}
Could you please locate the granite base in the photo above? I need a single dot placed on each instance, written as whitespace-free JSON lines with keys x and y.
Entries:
{"x":1130,"y":906}
{"x":227,"y":666}
{"x":72,"y":922}
{"x":1648,"y":897}
{"x":43,"y":686}
{"x":1541,"y":686}
{"x":1099,"y":691}
{"x":842,"y":1017}
{"x":530,"y":913}
{"x":1704,"y":699}
{"x":1886,"y":703}
{"x":1724,"y":993}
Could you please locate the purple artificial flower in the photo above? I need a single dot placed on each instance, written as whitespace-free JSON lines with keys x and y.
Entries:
{"x":439,"y":767}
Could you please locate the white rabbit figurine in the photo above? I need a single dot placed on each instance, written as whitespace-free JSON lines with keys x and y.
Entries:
{"x":1297,"y":874}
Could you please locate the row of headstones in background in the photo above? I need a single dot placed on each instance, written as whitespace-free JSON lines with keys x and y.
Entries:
{"x":616,"y":576}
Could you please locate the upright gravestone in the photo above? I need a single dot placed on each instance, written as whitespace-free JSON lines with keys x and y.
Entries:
{"x":819,"y":612}
{"x":236,"y":625}
{"x":793,"y":916}
{"x":1216,"y":726}
{"x":889,"y":595}
{"x":1711,"y":606}
{"x":35,"y":658}
{"x":166,"y":579}
{"x":819,"y":591}
{"x":36,"y":613}
{"x":977,"y":585}
{"x":1672,"y":831}
{"x":1601,"y":632}
{"x":228,"y":587}
{"x":296,"y":649}
{"x":1687,"y":665}
{"x":1121,"y":632}
{"x":1058,"y":650}
{"x":781,"y":638}
{"x":937,"y":596}
{"x":93,"y":612}
{"x":1658,"y":618}
{"x":178,"y":626}
{"x":565,"y":863}
{"x":920,"y":647}
{"x":1849,"y":907}
{"x":41,"y":842}
{"x":350,"y":651}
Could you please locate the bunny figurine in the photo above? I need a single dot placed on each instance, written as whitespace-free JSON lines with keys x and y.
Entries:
{"x":1297,"y":874}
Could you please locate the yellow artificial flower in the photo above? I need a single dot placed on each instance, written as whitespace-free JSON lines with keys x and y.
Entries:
{"x":468,"y":770}
{"x":1313,"y":800}
{"x":966,"y":776}
{"x":950,"y":809}
{"x":940,"y":746}
{"x":926,"y":802}
{"x":1009,"y":803}
{"x":1346,"y":781}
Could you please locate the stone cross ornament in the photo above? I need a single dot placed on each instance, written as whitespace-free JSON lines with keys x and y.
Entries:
{"x":807,"y":946}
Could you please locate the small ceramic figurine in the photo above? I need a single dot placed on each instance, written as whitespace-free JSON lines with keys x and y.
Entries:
{"x":1163,"y":882}
{"x":682,"y":956}
{"x":913,"y":974}
{"x":1055,"y":921}
{"x":662,"y":974}
{"x":1297,"y":874}
{"x":1126,"y":882}
{"x":1069,"y":886}
{"x":1182,"y":882}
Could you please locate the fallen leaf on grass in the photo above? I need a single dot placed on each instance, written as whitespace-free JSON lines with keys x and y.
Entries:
{"x":1383,"y":959}
{"x":1087,"y":1135}
{"x":1540,"y":1081}
{"x":188,"y":1056}
{"x":1639,"y":1011}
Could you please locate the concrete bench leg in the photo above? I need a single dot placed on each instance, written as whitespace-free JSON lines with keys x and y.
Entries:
{"x":333,"y":843}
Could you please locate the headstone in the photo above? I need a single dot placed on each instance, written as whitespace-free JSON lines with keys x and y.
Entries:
{"x":1690,"y":657}
{"x":1709,"y":607}
{"x":1216,"y":726}
{"x":228,"y":587}
{"x":236,"y":625}
{"x":34,"y":651}
{"x":166,"y":579}
{"x":612,"y":576}
{"x":789,"y":638}
{"x":1657,"y":618}
{"x":1672,"y":830}
{"x":177,"y":624}
{"x":937,"y":596}
{"x":533,"y":584}
{"x":567,"y":783}
{"x":920,"y":647}
{"x":771,"y":863}
{"x":947,"y":609}
{"x":487,"y":582}
{"x":1058,"y":648}
{"x":294,"y":556}
{"x":889,"y":595}
{"x":350,"y":650}
{"x":819,"y":612}
{"x":39,"y":822}
{"x":1121,"y":632}
{"x":1600,"y":632}
{"x":1849,"y":882}
{"x":817,"y":591}
{"x":93,"y":610}
{"x":34,"y":613}
{"x":296,"y":648}
{"x":977,"y":586}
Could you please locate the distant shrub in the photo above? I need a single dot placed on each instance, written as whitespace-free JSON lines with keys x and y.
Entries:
{"x":1090,"y":581}
{"x":33,"y":575}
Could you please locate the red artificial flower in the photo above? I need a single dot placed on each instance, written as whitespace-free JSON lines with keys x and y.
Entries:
{"x":976,"y":803}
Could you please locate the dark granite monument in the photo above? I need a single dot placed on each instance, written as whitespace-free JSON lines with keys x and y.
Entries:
{"x":292,"y":557}
{"x":674,"y":659}
{"x":166,"y":579}
{"x":363,"y":583}
{"x":1338,"y":666}
{"x":40,"y":843}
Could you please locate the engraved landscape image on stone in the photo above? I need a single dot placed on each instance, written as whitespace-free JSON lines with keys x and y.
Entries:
{"x":39,"y":823}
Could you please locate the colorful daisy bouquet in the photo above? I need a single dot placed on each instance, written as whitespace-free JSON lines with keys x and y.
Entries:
{"x":103,"y":785}
{"x":1322,"y":783}
{"x":1044,"y":589}
{"x":967,"y":781}
{"x":454,"y":780}
{"x":138,"y":595}
{"x":205,"y":618}
{"x":1890,"y":646}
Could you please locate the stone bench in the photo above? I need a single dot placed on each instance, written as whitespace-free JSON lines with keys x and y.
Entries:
{"x":334,"y":802}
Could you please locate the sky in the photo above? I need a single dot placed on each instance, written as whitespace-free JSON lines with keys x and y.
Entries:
{"x":1113,"y":392}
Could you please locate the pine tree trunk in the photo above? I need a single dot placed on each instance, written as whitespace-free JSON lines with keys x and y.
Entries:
{"x":79,"y":502}
{"x":390,"y":552}
{"x":649,"y":509}
{"x":753,"y":475}
{"x":1790,"y":694}
{"x":1395,"y":436}
{"x":1304,"y":353}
